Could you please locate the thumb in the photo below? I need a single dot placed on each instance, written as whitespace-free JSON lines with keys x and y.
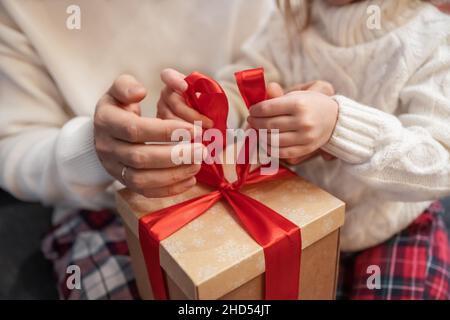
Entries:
{"x":274,"y":90}
{"x":126,"y":90}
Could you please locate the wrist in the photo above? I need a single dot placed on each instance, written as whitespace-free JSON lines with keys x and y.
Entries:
{"x":356,"y":131}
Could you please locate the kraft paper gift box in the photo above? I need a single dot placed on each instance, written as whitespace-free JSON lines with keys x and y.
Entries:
{"x":213,"y":257}
{"x":296,"y":225}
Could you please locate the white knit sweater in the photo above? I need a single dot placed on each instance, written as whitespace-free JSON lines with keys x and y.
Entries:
{"x":51,"y":78}
{"x":392,"y":138}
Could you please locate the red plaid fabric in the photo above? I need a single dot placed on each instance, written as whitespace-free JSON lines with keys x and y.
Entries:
{"x":413,"y":265}
{"x":96,"y":243}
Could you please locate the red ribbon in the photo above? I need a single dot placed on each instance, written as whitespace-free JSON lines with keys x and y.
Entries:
{"x":280,"y":238}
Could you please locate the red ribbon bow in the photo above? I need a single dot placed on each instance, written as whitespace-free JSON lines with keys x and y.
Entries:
{"x":280,"y":238}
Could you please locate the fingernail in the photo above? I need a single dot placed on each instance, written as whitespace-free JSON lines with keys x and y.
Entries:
{"x":183,"y":86}
{"x":134,"y":91}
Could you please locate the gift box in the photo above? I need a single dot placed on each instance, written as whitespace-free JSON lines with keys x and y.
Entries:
{"x":236,"y":234}
{"x":213,"y":257}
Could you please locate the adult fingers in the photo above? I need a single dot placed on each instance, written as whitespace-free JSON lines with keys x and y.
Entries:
{"x":163,"y":111}
{"x":321,"y":86}
{"x":126,"y":90}
{"x":143,"y":179}
{"x":171,"y":190}
{"x":129,"y":127}
{"x":179,"y":108}
{"x":145,"y":156}
{"x":174,"y":80}
{"x":133,"y":107}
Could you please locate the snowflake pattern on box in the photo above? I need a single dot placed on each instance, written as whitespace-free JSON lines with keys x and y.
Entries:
{"x":214,"y":210}
{"x":296,"y":215}
{"x":195,"y":225}
{"x":198,"y":242}
{"x":174,"y":247}
{"x":205,"y":272}
{"x":219,"y":230}
{"x":231,"y":251}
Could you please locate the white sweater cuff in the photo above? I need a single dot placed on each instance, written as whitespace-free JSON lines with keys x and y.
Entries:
{"x":76,"y":156}
{"x":357,"y":129}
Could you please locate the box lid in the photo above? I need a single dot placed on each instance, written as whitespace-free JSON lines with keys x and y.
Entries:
{"x":213,"y":254}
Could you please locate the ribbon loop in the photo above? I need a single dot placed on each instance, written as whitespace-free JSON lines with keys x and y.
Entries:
{"x":280,"y":238}
{"x":252,"y":86}
{"x":207,"y":96}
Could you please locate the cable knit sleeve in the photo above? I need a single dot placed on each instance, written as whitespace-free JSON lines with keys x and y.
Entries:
{"x":403,"y":157}
{"x":45,"y":155}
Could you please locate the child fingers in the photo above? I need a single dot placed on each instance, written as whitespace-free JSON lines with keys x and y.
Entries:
{"x":323,"y":87}
{"x":273,"y":107}
{"x":287,"y":139}
{"x":282,"y":123}
{"x":300,"y":86}
{"x":274,"y":90}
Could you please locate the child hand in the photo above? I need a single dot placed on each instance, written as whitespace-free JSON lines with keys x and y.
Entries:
{"x":305,"y":119}
{"x":171,"y":104}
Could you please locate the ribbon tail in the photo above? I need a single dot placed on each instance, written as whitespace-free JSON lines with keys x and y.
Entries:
{"x":252,"y":87}
{"x":280,"y":239}
{"x":156,"y":226}
{"x":150,"y":250}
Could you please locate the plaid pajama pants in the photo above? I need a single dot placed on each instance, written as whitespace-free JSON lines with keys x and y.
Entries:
{"x":414,"y":264}
{"x":96,"y":243}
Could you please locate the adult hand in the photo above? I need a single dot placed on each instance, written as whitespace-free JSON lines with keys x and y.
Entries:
{"x":123,"y":142}
{"x":171,"y":104}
